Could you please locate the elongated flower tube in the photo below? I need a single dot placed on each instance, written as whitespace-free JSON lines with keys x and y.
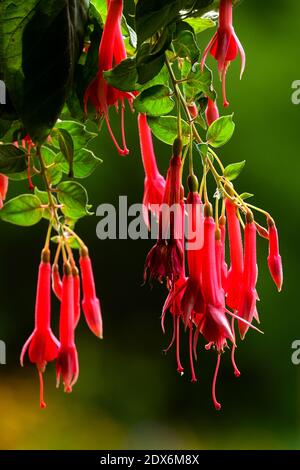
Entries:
{"x":220,"y":253}
{"x":67,"y":366}
{"x":225,"y":45}
{"x":247,"y":305}
{"x":90,"y":303}
{"x":99,"y":92}
{"x":274,"y":258}
{"x":76,"y":287}
{"x":235,"y":274}
{"x":56,"y":281}
{"x":164,"y":260}
{"x":212,"y":112}
{"x":154,"y":183}
{"x":3,"y":188}
{"x":42,"y":345}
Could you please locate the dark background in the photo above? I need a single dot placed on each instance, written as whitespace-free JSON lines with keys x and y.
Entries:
{"x":129,"y":395}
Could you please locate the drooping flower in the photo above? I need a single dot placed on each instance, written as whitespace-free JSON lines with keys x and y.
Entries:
{"x":56,"y":281}
{"x":3,"y":188}
{"x":111,"y":52}
{"x":76,"y":287}
{"x":212,"y":112}
{"x":67,"y":360}
{"x":222,"y":268}
{"x":164,"y":260}
{"x":225,"y":45}
{"x":42,"y":345}
{"x":247,"y":304}
{"x":274,"y":258}
{"x":235,"y":274}
{"x":90,"y":303}
{"x":154,"y":183}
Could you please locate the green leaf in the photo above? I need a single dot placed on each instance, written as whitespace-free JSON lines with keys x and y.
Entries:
{"x":84,"y":164}
{"x":78,"y":131}
{"x":41,"y":42}
{"x":198,"y":83}
{"x":185,"y":43}
{"x":165,"y":129}
{"x":246,"y":196}
{"x":74,"y":198}
{"x":233,"y":170}
{"x":66,"y":146}
{"x":220,"y":131}
{"x":43,"y":197}
{"x":155,"y":101}
{"x":54,"y":173}
{"x":200,"y":24}
{"x":12,"y":159}
{"x":124,"y":76}
{"x":24,"y":210}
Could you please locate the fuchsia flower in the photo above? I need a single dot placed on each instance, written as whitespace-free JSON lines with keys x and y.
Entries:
{"x":90,"y":303}
{"x":164,"y":260}
{"x":42,"y":345}
{"x":225,"y":45}
{"x":247,"y":304}
{"x":111,"y":52}
{"x":56,"y":281}
{"x":274,"y":258}
{"x":154,"y":183}
{"x":76,"y":289}
{"x":235,"y":274}
{"x":3,"y":188}
{"x":67,"y":360}
{"x":222,"y":268}
{"x":212,"y":112}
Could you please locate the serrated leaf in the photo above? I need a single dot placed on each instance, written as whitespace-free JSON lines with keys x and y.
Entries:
{"x":246,"y":196}
{"x":74,"y":198}
{"x":24,"y":210}
{"x":233,"y":170}
{"x":165,"y":129}
{"x":12,"y":159}
{"x":155,"y":101}
{"x":220,"y":131}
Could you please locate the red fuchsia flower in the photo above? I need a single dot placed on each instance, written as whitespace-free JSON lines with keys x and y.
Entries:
{"x":3,"y":188}
{"x":235,"y":274}
{"x":213,"y":323}
{"x":76,"y":286}
{"x":274,"y":258}
{"x":247,"y":305}
{"x":193,"y":110}
{"x":225,"y":45}
{"x":111,"y":52}
{"x":67,"y":360}
{"x":56,"y":281}
{"x":90,"y":303}
{"x":154,"y":183}
{"x":222,"y":268}
{"x":42,"y":345}
{"x":164,"y":260}
{"x":212,"y":112}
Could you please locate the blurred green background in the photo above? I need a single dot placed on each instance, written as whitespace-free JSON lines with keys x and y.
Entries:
{"x":129,"y":395}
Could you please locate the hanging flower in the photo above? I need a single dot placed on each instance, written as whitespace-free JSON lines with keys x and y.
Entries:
{"x":111,"y":52}
{"x":90,"y":303}
{"x":154,"y":183}
{"x":67,"y":360}
{"x":42,"y":345}
{"x":212,"y":112}
{"x":274,"y":258}
{"x":225,"y":45}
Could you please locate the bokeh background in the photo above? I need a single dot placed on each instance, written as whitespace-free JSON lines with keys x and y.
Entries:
{"x":129,"y":394}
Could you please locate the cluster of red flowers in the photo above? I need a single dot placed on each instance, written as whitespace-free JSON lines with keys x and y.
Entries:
{"x":42,"y":345}
{"x":212,"y":293}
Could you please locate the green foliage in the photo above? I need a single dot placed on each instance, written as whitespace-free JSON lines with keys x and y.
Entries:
{"x":155,"y":101}
{"x":74,"y":199}
{"x":24,"y":210}
{"x":12,"y":159}
{"x":220,"y":131}
{"x":165,"y":129}
{"x":233,"y":170}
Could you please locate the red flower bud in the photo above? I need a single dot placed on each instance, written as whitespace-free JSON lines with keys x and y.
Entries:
{"x":274,"y":258}
{"x":90,"y":303}
{"x":3,"y":188}
{"x":212,"y":112}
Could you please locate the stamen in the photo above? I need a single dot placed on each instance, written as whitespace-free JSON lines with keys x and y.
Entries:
{"x":217,"y":405}
{"x":236,"y":370}
{"x":126,"y":151}
{"x":173,"y":336}
{"x":42,"y":403}
{"x":194,"y":378}
{"x":223,"y":78}
{"x":179,"y":366}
